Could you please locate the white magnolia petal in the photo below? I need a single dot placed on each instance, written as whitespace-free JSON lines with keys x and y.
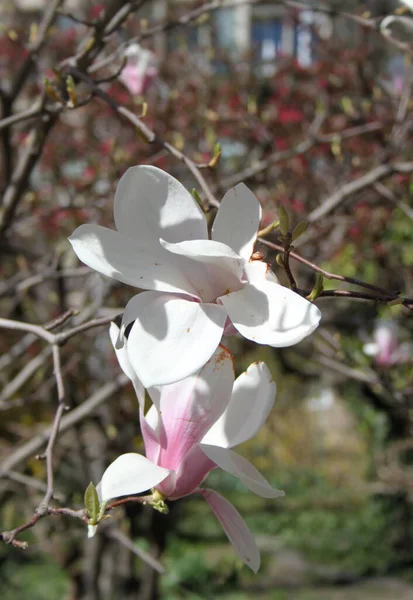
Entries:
{"x":172,"y":337}
{"x":125,"y":365}
{"x":251,"y":402}
{"x":212,"y":268}
{"x":205,"y":251}
{"x":124,"y":259}
{"x":371,"y":349}
{"x":240,"y":467}
{"x":130,"y":474}
{"x":269,"y":313}
{"x":91,"y":530}
{"x":189,"y":407}
{"x":237,"y":220}
{"x":235,"y":528}
{"x":258,"y":270}
{"x":150,"y":204}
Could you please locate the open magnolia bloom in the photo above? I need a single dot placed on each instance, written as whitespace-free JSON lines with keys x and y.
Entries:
{"x":199,"y":288}
{"x":198,"y":422}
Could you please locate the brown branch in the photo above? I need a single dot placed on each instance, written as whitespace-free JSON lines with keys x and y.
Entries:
{"x":22,"y":116}
{"x":381,"y":294}
{"x":148,"y":134}
{"x":48,"y":455}
{"x":365,"y":181}
{"x":35,"y":47}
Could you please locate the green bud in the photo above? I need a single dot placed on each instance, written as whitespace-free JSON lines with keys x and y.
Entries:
{"x":92,"y":503}
{"x":347,"y":105}
{"x":280,"y":260}
{"x":395,"y":302}
{"x":217,"y":155}
{"x":71,"y":90}
{"x":267,"y":230}
{"x":196,"y":196}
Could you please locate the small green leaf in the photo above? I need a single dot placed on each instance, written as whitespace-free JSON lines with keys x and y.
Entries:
{"x":284,"y":220}
{"x":298,"y":230}
{"x":217,"y":155}
{"x":318,"y":288}
{"x":267,"y":230}
{"x":196,"y":196}
{"x":92,"y":503}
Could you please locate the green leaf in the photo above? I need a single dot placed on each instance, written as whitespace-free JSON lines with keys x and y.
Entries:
{"x":299,"y":229}
{"x":284,"y":220}
{"x":196,"y":196}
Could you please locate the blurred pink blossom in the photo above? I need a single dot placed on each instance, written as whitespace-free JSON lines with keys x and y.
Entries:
{"x":140,"y":70}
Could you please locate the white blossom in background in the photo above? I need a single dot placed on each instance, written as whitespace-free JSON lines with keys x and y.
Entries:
{"x":199,"y":288}
{"x":191,"y":429}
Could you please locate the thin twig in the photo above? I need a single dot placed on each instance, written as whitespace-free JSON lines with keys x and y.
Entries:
{"x":365,"y":181}
{"x":76,"y":415}
{"x":116,"y":534}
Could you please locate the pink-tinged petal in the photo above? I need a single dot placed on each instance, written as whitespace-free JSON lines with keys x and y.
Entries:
{"x":251,"y":402}
{"x":130,"y":474}
{"x":268,"y":313}
{"x":240,"y":467}
{"x":212,"y":268}
{"x":237,"y":220}
{"x":150,"y":204}
{"x":189,"y":407}
{"x":152,"y":433}
{"x":128,"y":260}
{"x":172,"y":337}
{"x":235,"y":528}
{"x":191,"y":473}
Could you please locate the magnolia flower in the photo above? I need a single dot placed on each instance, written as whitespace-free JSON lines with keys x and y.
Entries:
{"x":190,"y":430}
{"x":140,"y":69}
{"x":200,"y":288}
{"x":386,"y":348}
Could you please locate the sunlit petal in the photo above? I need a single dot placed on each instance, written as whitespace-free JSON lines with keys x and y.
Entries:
{"x":130,"y":474}
{"x":172,"y":337}
{"x":127,"y":260}
{"x":251,"y":402}
{"x":150,"y":203}
{"x":269,"y":313}
{"x":237,"y":220}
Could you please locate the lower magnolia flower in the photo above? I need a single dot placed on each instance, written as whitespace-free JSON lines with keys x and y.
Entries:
{"x":199,"y":288}
{"x":190,"y":430}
